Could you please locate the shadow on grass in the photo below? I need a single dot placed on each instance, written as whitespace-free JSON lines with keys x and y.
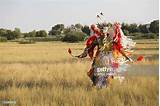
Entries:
{"x":62,"y":83}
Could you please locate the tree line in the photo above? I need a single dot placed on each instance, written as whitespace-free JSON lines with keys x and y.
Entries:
{"x":78,"y":32}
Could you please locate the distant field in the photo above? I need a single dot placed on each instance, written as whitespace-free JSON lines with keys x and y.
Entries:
{"x":44,"y":74}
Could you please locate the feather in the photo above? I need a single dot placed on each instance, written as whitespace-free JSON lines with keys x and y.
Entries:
{"x":140,"y":58}
{"x":101,"y":13}
{"x":69,"y":51}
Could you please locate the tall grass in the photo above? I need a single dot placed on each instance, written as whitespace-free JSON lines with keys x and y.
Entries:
{"x":43,"y":74}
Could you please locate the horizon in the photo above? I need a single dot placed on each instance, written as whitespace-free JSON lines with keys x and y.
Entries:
{"x":47,"y":30}
{"x":44,"y":14}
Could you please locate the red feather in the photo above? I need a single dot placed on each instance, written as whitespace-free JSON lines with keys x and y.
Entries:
{"x":69,"y":51}
{"x":140,"y":58}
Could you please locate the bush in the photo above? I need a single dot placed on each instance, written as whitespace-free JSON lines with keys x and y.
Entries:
{"x":74,"y":36}
{"x":150,"y":35}
{"x":3,"y":39}
{"x":24,"y":41}
{"x":41,"y":33}
{"x":44,"y":39}
{"x":80,"y":35}
{"x":144,"y":35}
{"x":70,"y":38}
{"x":137,"y":35}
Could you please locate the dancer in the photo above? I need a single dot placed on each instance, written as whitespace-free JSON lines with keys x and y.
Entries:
{"x":112,"y":53}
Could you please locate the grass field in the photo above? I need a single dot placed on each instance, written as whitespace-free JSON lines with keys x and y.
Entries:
{"x":44,"y":74}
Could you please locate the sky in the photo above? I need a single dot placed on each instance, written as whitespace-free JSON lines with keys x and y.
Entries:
{"x":31,"y":15}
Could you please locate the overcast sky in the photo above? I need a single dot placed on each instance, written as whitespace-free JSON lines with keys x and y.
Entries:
{"x":43,"y":14}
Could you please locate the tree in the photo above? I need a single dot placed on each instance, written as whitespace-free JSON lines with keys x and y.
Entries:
{"x":67,"y":30}
{"x":133,"y":28}
{"x":154,"y":26}
{"x":17,"y":33}
{"x":86,"y":30}
{"x":143,"y":28}
{"x":41,"y":33}
{"x":10,"y":35}
{"x":3,"y":32}
{"x":57,"y":29}
{"x":73,"y":28}
{"x":80,"y":35}
{"x":125,"y":26}
{"x":30,"y":34}
{"x":78,"y":26}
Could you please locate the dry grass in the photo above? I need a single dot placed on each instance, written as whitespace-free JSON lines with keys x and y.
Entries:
{"x":43,"y":74}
